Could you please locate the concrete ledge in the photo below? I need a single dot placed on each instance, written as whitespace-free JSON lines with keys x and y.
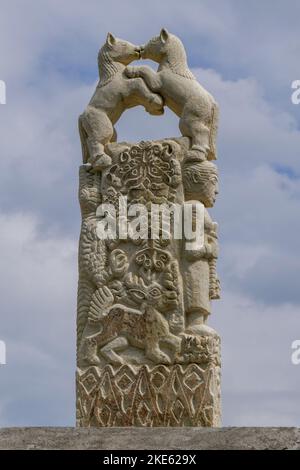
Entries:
{"x":150,"y":438}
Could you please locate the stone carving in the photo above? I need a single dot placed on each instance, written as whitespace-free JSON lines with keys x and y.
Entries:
{"x":181,"y":92}
{"x":147,"y":173}
{"x":201,"y":283}
{"x":113,"y":95}
{"x":145,"y":354}
{"x":149,"y":396}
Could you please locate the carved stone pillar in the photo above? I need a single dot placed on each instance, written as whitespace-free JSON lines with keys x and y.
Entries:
{"x":145,"y":354}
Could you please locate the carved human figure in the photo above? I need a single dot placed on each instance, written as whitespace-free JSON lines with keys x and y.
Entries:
{"x":181,"y":92}
{"x":113,"y":95}
{"x":201,"y":283}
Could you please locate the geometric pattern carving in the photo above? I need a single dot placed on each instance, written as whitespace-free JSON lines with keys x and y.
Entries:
{"x":179,"y":395}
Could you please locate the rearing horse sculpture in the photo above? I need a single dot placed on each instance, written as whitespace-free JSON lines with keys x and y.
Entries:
{"x":181,"y":92}
{"x":114,"y":94}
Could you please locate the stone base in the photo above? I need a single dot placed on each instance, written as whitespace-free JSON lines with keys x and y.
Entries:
{"x":150,"y":439}
{"x":154,"y":396}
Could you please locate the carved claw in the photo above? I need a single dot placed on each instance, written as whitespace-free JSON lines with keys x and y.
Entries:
{"x":196,"y":155}
{"x":131,"y":72}
{"x":158,"y":357}
{"x":164,"y":359}
{"x":91,"y":351}
{"x":157,"y":112}
{"x":102,"y":162}
{"x":156,"y":107}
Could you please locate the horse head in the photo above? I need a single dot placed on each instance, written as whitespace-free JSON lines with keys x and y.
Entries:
{"x":162,"y":46}
{"x":119,"y":50}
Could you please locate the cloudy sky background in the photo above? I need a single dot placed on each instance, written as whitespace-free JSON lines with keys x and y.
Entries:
{"x":247,"y":55}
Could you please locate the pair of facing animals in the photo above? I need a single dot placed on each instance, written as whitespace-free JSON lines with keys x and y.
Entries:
{"x":122,"y":86}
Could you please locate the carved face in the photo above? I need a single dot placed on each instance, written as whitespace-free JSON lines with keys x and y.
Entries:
{"x":201,"y":182}
{"x":210,"y":190}
{"x":122,"y":51}
{"x":156,"y":47}
{"x":140,"y":292}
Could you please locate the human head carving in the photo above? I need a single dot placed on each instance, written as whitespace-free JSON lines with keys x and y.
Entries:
{"x":201,"y":182}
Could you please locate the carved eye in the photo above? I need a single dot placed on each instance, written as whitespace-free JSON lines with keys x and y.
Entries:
{"x":138,"y":294}
{"x":155,"y":292}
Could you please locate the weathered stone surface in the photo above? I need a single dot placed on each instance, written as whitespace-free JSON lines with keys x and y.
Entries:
{"x":145,"y":354}
{"x":150,"y":438}
{"x":149,"y":396}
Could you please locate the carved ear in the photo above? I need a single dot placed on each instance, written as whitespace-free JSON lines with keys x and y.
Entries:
{"x":164,"y":34}
{"x":110,"y":39}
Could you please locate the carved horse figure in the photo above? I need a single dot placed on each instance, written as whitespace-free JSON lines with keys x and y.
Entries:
{"x":113,"y":95}
{"x":196,"y":108}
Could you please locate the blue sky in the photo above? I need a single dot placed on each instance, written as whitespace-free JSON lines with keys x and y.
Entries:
{"x":247,"y":55}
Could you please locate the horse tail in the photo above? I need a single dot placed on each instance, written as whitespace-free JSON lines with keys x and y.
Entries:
{"x":212,"y":153}
{"x":83,"y":139}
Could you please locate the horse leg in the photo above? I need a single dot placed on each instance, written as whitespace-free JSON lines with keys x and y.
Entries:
{"x":88,"y":346}
{"x":109,"y":350}
{"x":191,"y":125}
{"x":140,"y":93}
{"x":173,"y":341}
{"x":153,"y":352}
{"x":89,"y":350}
{"x":99,"y":130}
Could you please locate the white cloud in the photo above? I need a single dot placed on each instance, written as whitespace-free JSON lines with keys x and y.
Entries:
{"x":260,"y":383}
{"x":38,"y":304}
